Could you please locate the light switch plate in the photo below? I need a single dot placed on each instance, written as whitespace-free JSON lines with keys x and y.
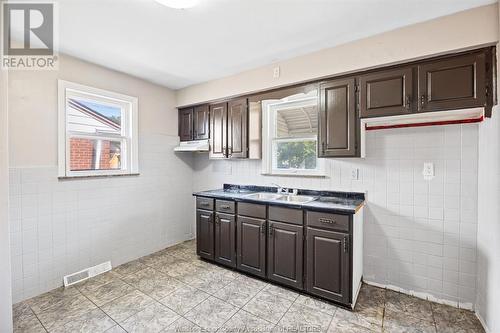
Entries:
{"x":276,"y":72}
{"x":354,"y":174}
{"x":428,"y":171}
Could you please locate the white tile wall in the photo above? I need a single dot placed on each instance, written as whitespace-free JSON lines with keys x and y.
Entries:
{"x":59,"y":227}
{"x":419,"y":235}
{"x":488,"y":232}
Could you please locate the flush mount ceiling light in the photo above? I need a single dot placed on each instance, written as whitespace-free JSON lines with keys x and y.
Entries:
{"x":178,"y":4}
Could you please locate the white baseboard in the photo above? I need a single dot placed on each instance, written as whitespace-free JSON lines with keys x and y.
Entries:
{"x":483,"y":322}
{"x":429,"y":297}
{"x":421,"y":295}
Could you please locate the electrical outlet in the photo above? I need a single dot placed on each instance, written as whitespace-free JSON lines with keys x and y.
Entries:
{"x":354,"y":174}
{"x":428,"y":171}
{"x":276,"y":72}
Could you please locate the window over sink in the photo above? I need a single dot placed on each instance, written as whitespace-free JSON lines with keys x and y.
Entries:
{"x":98,"y":132}
{"x":290,"y":136}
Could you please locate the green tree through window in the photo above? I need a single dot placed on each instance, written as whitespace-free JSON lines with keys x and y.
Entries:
{"x":296,"y":155}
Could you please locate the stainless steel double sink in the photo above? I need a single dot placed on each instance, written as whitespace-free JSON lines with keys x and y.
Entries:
{"x":289,"y":198}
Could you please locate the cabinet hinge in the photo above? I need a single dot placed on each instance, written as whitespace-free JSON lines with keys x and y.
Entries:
{"x":346,"y":244}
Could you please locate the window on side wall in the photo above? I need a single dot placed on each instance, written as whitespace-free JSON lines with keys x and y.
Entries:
{"x":290,"y":136}
{"x":97,"y":132}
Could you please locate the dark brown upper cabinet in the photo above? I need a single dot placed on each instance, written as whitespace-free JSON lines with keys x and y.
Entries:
{"x":284,"y":253}
{"x":186,"y":124}
{"x":237,"y":125}
{"x":201,"y":123}
{"x":205,"y":234}
{"x":386,"y":93}
{"x":453,"y":83}
{"x":327,"y":264}
{"x":218,"y":130}
{"x":337,"y":119}
{"x":194,"y":123}
{"x":251,"y":245}
{"x":229,"y":129}
{"x":225,"y":233}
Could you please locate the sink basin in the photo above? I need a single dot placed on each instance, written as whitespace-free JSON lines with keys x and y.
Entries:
{"x":297,"y":199}
{"x":264,"y":196}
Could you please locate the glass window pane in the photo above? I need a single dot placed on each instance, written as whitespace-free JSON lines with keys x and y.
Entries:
{"x":297,"y":121}
{"x":93,"y":117}
{"x":94,"y":154}
{"x":289,"y":155}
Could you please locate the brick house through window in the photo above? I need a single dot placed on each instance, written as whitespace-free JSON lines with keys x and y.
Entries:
{"x":98,"y":132}
{"x":92,"y":153}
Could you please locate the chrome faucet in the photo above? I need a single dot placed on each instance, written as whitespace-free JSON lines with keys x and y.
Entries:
{"x":286,"y":190}
{"x":281,"y":189}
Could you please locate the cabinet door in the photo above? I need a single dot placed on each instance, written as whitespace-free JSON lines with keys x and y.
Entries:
{"x":225,"y":246}
{"x":337,"y":119}
{"x":218,"y":130}
{"x":237,"y":128}
{"x":205,"y":234}
{"x":386,"y":93}
{"x":201,"y":122}
{"x":327,"y":264}
{"x":455,"y":83}
{"x":284,"y":251}
{"x":251,"y":245}
{"x":186,"y":124}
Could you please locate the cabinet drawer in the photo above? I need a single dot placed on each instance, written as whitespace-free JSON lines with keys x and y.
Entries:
{"x":252,"y":210}
{"x":224,"y":206}
{"x":288,"y":215}
{"x":205,"y":203}
{"x":327,"y":221}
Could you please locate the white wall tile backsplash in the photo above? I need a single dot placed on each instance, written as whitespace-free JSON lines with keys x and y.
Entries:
{"x":488,"y":231}
{"x":420,"y":235}
{"x":60,"y":227}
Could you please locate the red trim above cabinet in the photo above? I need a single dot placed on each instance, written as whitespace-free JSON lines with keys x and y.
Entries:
{"x":422,"y":124}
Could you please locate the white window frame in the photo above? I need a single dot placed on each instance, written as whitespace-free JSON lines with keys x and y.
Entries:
{"x":269,"y":124}
{"x":128,"y":137}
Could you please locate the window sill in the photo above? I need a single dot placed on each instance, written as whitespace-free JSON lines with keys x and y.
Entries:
{"x":295,"y":175}
{"x":64,"y":178}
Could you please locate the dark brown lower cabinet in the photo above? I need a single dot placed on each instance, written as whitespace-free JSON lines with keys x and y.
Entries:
{"x":251,"y":245}
{"x":327,"y":264}
{"x":225,"y":245}
{"x":205,"y":234}
{"x":284,"y":253}
{"x":268,"y":241}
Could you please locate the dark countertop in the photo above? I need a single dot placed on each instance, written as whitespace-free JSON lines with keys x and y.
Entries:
{"x":341,"y":202}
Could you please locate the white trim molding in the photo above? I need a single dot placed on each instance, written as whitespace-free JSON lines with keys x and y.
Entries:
{"x":128,"y":137}
{"x":269,"y":129}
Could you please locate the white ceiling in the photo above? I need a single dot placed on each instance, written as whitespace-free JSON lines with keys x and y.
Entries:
{"x":178,"y":48}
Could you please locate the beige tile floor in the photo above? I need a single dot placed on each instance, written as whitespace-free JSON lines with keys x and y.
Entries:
{"x":173,"y":291}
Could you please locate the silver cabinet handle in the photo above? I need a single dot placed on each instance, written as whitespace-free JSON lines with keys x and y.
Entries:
{"x":346,"y":244}
{"x":329,"y":221}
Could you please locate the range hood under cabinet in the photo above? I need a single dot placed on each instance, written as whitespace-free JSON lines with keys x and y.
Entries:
{"x":193,"y":146}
